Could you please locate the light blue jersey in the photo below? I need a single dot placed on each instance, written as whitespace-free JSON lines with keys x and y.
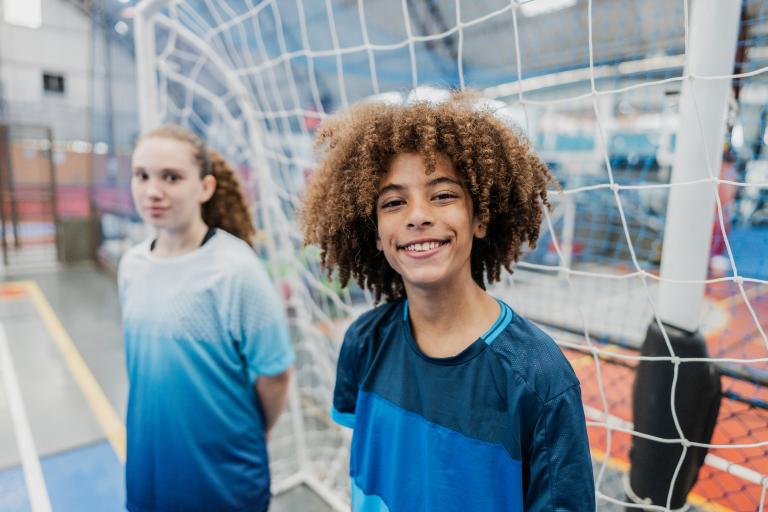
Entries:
{"x":199,"y":329}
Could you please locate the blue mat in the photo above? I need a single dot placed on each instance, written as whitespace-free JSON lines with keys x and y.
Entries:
{"x":750,"y":251}
{"x":87,"y":478}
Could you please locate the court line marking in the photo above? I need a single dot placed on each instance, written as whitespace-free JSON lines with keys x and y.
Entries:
{"x":110,"y":422}
{"x":37,"y":492}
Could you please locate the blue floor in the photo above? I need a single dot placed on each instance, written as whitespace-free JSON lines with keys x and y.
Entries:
{"x":88,"y":478}
{"x":750,"y":251}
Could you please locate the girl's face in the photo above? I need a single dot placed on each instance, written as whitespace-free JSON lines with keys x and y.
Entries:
{"x":167,"y":188}
{"x":425,"y":223}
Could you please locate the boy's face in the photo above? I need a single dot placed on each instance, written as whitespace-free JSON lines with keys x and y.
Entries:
{"x":425,"y":223}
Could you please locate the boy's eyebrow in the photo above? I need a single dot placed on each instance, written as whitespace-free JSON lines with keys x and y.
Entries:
{"x":443,"y":179}
{"x":431,"y":183}
{"x":391,"y":187}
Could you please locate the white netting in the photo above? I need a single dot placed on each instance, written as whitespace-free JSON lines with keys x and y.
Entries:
{"x":607,"y":92}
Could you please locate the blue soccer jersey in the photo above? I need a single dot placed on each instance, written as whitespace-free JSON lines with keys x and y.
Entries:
{"x":498,"y":427}
{"x":199,"y":329}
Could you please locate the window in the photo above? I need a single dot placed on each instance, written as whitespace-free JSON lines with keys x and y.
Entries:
{"x":53,"y":83}
{"x":24,"y":13}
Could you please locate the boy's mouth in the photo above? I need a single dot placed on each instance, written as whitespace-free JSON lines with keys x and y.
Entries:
{"x":419,"y":246}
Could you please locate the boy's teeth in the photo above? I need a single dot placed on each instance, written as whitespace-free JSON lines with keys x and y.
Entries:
{"x":426,"y":246}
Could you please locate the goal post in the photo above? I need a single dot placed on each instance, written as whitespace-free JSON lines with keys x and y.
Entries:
{"x":665,"y":473}
{"x":627,"y":107}
{"x":291,"y":459}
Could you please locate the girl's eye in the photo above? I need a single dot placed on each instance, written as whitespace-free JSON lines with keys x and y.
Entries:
{"x":444,"y":196}
{"x":139,"y":175}
{"x":171,"y":178}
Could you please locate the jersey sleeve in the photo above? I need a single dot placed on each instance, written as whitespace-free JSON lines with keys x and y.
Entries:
{"x":558,"y":475}
{"x":347,"y":384}
{"x":258,"y":323}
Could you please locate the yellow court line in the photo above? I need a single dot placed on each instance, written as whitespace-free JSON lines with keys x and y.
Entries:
{"x":582,"y":360}
{"x":622,"y":466}
{"x":705,"y":504}
{"x":108,"y":419}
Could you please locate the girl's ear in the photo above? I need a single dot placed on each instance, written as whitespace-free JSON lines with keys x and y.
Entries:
{"x":209,"y":187}
{"x":378,"y":242}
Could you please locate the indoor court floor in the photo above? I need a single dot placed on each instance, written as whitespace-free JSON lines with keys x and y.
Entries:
{"x":61,"y":338}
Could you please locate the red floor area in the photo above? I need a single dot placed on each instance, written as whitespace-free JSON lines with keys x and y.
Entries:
{"x":737,"y":337}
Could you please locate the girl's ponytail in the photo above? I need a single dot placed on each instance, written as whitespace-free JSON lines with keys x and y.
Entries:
{"x":227,"y":208}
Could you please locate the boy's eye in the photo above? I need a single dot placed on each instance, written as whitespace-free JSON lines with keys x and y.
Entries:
{"x":392,"y":203}
{"x":444,"y":196}
{"x":171,"y":178}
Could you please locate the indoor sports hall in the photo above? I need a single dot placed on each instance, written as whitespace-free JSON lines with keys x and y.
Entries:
{"x":651,"y":270}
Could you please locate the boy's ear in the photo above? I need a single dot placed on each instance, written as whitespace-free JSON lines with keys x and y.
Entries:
{"x":480,"y":229}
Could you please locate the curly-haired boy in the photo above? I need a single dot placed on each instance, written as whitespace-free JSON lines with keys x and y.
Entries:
{"x":457,"y":403}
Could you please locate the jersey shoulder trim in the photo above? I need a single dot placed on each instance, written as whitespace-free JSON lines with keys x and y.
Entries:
{"x":534,"y":357}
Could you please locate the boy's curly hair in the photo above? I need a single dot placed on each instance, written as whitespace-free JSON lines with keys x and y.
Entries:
{"x":506,"y":180}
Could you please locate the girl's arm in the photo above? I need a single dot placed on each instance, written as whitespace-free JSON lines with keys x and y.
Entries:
{"x":273,"y":395}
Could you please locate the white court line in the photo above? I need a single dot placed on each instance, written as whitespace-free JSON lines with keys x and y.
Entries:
{"x":30,"y":463}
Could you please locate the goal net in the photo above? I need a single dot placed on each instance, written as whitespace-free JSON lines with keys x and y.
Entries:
{"x":630,"y":109}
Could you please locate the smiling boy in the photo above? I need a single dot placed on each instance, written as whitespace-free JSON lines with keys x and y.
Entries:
{"x":457,"y":403}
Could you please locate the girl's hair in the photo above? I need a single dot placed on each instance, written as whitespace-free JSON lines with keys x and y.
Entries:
{"x":227,"y":208}
{"x":505,"y":179}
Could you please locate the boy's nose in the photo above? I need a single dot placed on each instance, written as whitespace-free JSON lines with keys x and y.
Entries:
{"x":419,"y":215}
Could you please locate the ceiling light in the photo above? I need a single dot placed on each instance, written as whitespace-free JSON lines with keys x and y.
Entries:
{"x":538,"y":7}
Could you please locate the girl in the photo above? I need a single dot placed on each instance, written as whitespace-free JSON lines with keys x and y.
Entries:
{"x":207,"y":344}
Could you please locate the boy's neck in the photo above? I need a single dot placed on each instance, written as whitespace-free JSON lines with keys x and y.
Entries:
{"x":445,"y":322}
{"x":176,"y":243}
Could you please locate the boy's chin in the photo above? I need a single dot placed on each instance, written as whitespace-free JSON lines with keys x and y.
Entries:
{"x":432,"y":281}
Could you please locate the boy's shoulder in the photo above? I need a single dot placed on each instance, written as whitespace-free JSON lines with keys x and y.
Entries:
{"x":534,"y":357}
{"x":374,"y":322}
{"x":368,"y":334}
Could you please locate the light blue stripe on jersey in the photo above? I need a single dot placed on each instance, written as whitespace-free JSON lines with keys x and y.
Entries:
{"x":362,"y":502}
{"x":406,"y":460}
{"x":345,"y":419}
{"x":501,"y":323}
